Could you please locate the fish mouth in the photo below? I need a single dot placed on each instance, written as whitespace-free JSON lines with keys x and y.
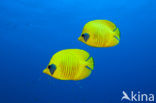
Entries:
{"x":50,"y":69}
{"x":79,"y":38}
{"x":46,"y":71}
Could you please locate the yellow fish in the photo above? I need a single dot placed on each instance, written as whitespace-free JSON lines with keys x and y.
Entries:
{"x":70,"y":64}
{"x":100,"y":33}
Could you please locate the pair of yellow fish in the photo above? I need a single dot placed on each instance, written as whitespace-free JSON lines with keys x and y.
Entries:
{"x":76,"y":64}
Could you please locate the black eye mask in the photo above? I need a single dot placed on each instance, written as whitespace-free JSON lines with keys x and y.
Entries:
{"x":85,"y":36}
{"x":52,"y":68}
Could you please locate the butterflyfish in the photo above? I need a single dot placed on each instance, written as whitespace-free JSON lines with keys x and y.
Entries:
{"x":100,"y":33}
{"x":70,"y":64}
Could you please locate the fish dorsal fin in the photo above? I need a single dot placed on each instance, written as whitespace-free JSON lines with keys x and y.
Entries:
{"x":81,"y":53}
{"x":111,"y":25}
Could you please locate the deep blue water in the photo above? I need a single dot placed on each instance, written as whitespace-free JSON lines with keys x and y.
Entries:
{"x":31,"y":31}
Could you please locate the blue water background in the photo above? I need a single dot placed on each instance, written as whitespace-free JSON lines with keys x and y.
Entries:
{"x":31,"y":31}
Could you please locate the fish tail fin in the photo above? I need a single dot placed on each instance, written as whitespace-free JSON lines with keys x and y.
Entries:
{"x":90,"y":63}
{"x":117,"y":33}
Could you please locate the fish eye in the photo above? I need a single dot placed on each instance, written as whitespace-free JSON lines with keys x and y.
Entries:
{"x":52,"y":68}
{"x":82,"y":35}
{"x":49,"y":66}
{"x":85,"y":36}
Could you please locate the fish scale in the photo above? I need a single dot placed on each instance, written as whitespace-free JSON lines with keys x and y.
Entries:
{"x":68,"y":72}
